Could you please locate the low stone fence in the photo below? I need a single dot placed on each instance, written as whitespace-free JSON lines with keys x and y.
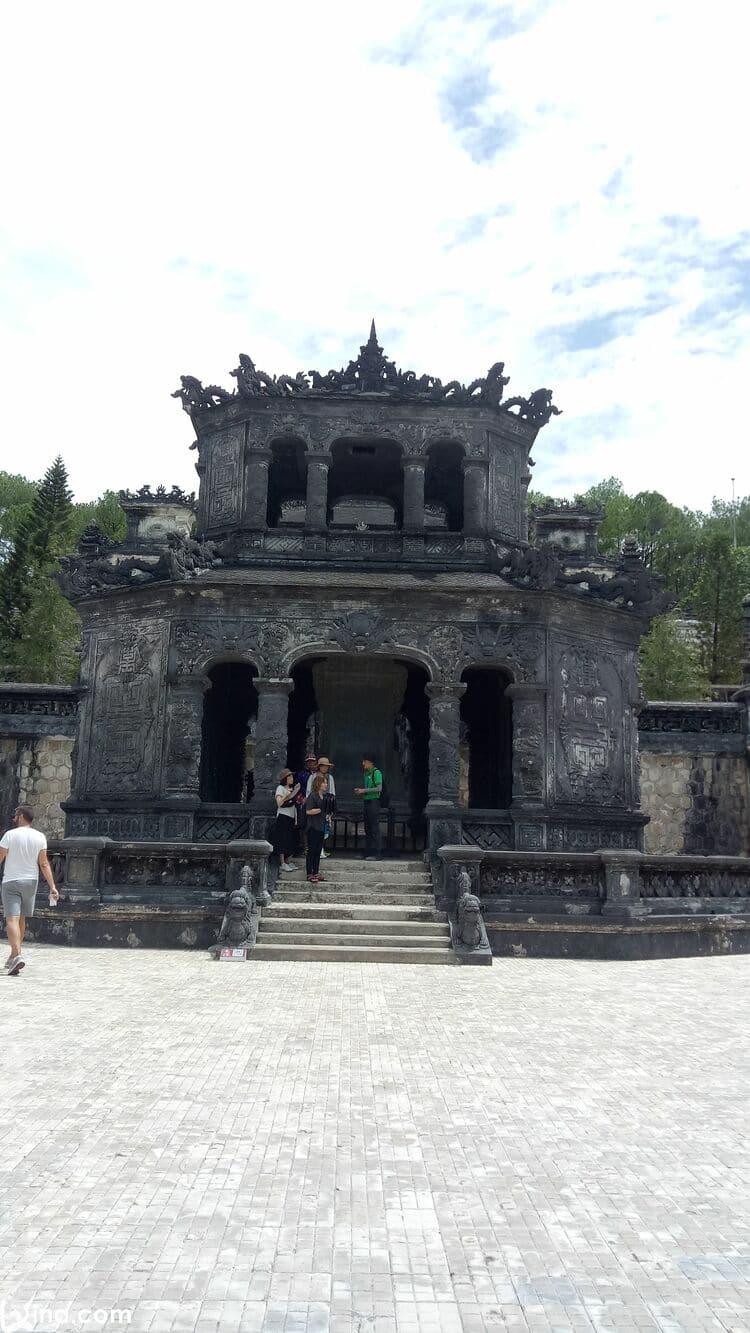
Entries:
{"x":567,"y":903}
{"x":169,"y":895}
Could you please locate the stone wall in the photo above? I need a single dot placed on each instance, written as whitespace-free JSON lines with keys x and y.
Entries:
{"x":695,"y":779}
{"x":37,"y":734}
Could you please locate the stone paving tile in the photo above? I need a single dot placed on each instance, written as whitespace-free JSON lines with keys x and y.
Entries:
{"x":543,"y":1147}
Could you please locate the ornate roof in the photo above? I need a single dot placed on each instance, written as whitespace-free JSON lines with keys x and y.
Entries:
{"x":370,"y":373}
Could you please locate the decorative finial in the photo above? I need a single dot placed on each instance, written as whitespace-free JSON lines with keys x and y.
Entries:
{"x":373,"y":339}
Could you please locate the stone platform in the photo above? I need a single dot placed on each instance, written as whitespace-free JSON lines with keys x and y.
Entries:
{"x":540,"y":1146}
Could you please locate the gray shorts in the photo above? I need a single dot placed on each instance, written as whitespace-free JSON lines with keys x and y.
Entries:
{"x":19,"y":896}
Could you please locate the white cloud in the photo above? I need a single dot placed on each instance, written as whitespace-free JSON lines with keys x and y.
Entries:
{"x":183,"y":182}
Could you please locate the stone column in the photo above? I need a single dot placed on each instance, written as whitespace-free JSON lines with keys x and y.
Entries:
{"x":316,"y":515}
{"x":528,"y":742}
{"x":443,"y":811}
{"x":414,"y":470}
{"x":445,"y":726}
{"x":475,"y":496}
{"x":270,"y":747}
{"x":257,"y":463}
{"x":184,"y":734}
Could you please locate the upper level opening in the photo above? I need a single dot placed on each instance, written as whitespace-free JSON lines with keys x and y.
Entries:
{"x":287,"y":484}
{"x":444,"y":486}
{"x":365,"y":484}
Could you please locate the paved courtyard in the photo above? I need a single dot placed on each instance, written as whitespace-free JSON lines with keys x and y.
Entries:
{"x":404,"y":1149}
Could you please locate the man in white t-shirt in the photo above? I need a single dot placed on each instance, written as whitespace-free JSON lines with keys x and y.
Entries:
{"x":23,"y":853}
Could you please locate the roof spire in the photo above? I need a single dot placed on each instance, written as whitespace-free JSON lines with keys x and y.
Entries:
{"x":373,"y":339}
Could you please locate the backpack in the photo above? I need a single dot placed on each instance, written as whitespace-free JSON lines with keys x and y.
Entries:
{"x":385,"y":799}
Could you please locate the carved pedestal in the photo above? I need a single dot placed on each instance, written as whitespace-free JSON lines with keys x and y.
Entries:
{"x":83,"y":859}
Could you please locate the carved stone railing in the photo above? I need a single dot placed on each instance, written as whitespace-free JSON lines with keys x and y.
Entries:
{"x":692,"y":718}
{"x":435,"y":547}
{"x":45,"y":710}
{"x":624,"y":885}
{"x":97,"y":872}
{"x":720,"y":727}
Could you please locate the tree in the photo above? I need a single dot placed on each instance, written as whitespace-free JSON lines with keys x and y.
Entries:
{"x":671,"y":665}
{"x":723,"y":580}
{"x":16,"y":495}
{"x":40,"y":538}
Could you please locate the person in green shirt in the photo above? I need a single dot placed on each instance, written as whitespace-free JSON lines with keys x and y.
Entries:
{"x":371,"y":793}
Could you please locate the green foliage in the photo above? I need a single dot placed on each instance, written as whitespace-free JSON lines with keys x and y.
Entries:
{"x":106,"y":512}
{"x":723,"y":580}
{"x":671,"y":666}
{"x":46,"y":646}
{"x":16,"y":495}
{"x":39,"y":629}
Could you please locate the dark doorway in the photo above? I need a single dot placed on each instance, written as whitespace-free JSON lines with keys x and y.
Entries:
{"x":487,"y":727}
{"x":229,"y":709}
{"x":343,"y":705}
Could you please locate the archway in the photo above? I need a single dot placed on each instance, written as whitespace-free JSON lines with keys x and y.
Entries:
{"x":342,"y":705}
{"x":486,"y":739}
{"x":444,"y":486}
{"x":229,"y":710}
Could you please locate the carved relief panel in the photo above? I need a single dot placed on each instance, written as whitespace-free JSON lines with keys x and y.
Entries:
{"x":506,"y":499}
{"x":123,"y":735}
{"x":589,"y":761}
{"x":224,"y":477}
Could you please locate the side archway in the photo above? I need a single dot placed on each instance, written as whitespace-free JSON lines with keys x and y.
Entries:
{"x":230,"y":707}
{"x":486,"y":739}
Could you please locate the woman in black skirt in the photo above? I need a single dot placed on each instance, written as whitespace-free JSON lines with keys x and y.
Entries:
{"x":284,"y":832}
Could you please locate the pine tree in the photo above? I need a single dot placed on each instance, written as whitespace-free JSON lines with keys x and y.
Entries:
{"x":41,"y":537}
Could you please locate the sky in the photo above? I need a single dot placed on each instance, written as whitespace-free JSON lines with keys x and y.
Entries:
{"x":559,"y":184}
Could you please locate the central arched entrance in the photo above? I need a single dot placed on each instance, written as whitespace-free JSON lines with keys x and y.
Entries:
{"x":343,"y":705}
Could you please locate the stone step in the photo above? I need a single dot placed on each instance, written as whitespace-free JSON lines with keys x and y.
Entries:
{"x":355,"y":892}
{"x":354,"y":941}
{"x":334,"y":953}
{"x":393,"y":864}
{"x":369,"y":881}
{"x":322,"y":893}
{"x":276,"y":925}
{"x":346,"y":911}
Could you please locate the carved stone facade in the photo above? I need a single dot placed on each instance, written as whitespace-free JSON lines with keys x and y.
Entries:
{"x":375,"y":514}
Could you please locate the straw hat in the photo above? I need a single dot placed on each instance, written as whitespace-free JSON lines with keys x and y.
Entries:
{"x":285,"y":773}
{"x":323,"y":760}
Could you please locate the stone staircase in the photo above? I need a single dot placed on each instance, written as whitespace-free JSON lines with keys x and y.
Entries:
{"x":365,"y":912}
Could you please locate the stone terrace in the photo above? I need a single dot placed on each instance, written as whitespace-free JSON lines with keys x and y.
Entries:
{"x":539,"y":1146}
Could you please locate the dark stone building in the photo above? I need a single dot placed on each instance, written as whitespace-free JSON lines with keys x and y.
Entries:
{"x":360,"y":577}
